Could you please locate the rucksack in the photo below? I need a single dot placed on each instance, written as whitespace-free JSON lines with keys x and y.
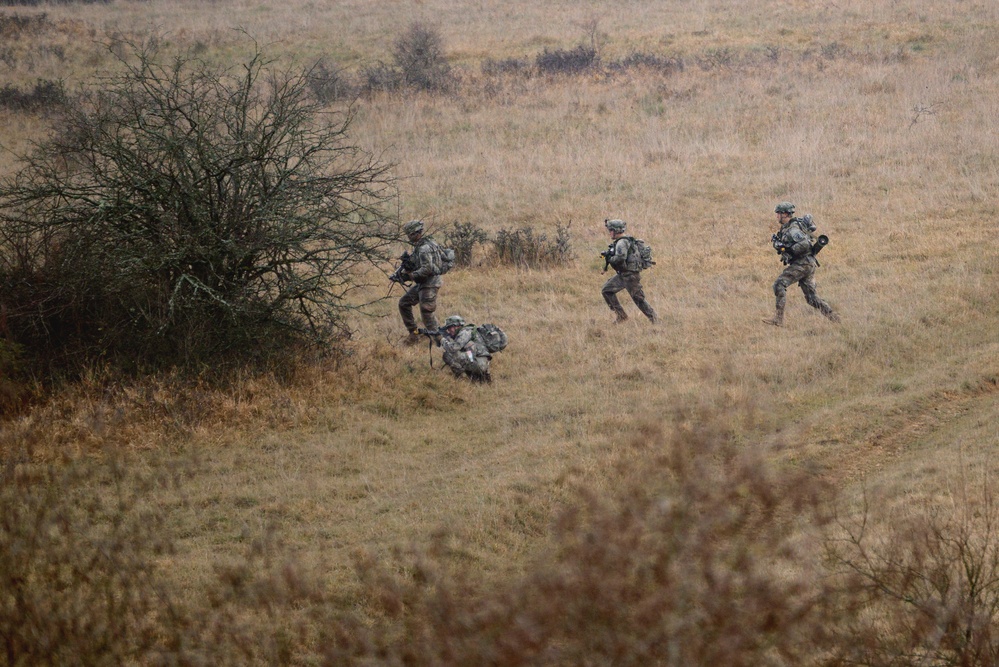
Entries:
{"x":443,"y":258}
{"x":492,"y":337}
{"x":447,"y":260}
{"x":806,"y":223}
{"x":643,"y":254}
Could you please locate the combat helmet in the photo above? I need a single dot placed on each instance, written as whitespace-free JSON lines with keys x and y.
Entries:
{"x":454,"y":321}
{"x":413,"y":227}
{"x":616,"y":226}
{"x":784,"y":207}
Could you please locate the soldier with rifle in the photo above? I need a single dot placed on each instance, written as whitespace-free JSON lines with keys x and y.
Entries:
{"x":797,"y":249}
{"x":423,"y":267}
{"x":621,"y":256}
{"x":465,"y":353}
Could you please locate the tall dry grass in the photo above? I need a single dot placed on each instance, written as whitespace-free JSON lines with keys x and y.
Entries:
{"x":878,"y":118}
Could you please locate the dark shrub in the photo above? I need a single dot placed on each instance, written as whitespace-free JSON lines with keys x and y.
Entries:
{"x":420,"y":59}
{"x":381,"y":78}
{"x":462,"y":237}
{"x":649,"y":61}
{"x":721,"y":58}
{"x":329,"y":83}
{"x":560,"y":61}
{"x":529,"y":250}
{"x":46,"y":95}
{"x":492,"y":67}
{"x":13,"y":26}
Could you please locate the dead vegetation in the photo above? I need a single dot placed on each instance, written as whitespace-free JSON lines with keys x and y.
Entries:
{"x":586,"y":508}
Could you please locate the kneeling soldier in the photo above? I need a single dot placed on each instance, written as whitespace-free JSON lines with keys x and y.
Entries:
{"x":463,"y":352}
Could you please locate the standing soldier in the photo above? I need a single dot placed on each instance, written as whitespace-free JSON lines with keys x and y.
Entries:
{"x":793,"y":242}
{"x":423,"y":267}
{"x":623,"y":256}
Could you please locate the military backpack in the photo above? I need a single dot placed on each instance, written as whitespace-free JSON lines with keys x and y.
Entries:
{"x":639,"y":255}
{"x":492,"y":337}
{"x":447,"y":260}
{"x":443,"y":258}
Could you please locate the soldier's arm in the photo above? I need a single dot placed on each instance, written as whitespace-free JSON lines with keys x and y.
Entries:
{"x":463,"y":338}
{"x":620,"y":256}
{"x":800,"y":243}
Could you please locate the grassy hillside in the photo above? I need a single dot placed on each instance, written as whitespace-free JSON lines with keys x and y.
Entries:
{"x":878,"y":118}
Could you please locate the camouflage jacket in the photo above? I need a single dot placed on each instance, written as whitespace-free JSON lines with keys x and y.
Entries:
{"x":623,"y":259}
{"x":795,"y":241}
{"x":465,"y":340}
{"x":425,"y":261}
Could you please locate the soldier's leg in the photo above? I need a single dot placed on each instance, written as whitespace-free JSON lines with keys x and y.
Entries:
{"x":609,"y":291}
{"x":787,"y":277}
{"x":634,"y":286}
{"x":453,"y":361}
{"x":428,"y":306}
{"x":406,"y":303}
{"x":479,"y":370}
{"x":807,"y":285}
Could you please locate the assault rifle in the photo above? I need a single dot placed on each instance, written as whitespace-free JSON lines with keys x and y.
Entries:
{"x":434,"y":336}
{"x":779,"y":248}
{"x":607,"y":254}
{"x":405,"y":266}
{"x":821,"y":242}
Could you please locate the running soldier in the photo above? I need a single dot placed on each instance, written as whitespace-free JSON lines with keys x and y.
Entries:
{"x":622,"y":255}
{"x":793,"y":242}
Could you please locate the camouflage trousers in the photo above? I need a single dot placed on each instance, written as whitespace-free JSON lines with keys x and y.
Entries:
{"x":424,"y":294}
{"x":632,"y":282}
{"x":473,"y":364}
{"x":804,"y":275}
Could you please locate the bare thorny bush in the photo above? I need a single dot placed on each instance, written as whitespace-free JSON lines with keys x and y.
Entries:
{"x":184,"y":212}
{"x":928,"y":583}
{"x":522,"y":248}
{"x":528,"y":249}
{"x":463,"y":237}
{"x":419,"y":62}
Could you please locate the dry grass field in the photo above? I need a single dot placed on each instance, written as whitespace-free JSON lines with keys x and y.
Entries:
{"x":879,"y":118}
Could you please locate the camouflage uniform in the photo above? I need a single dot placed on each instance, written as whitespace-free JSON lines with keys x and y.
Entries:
{"x":463,"y":352}
{"x":794,"y":242}
{"x":628,"y":277}
{"x":423,"y":270}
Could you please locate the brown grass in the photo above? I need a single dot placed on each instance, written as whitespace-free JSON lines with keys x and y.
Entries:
{"x":877,"y":118}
